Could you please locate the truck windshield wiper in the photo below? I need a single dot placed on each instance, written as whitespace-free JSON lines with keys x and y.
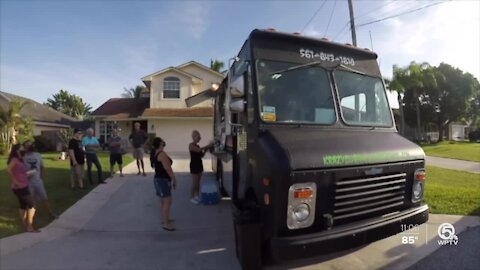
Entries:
{"x":348,"y":68}
{"x":277,"y":74}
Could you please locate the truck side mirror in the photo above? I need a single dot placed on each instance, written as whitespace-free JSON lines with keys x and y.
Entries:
{"x":237,"y":87}
{"x":237,"y":105}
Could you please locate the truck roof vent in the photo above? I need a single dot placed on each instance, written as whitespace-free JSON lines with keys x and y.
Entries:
{"x":297,"y":33}
{"x":324,"y":39}
{"x":348,"y":44}
{"x":271,"y":29}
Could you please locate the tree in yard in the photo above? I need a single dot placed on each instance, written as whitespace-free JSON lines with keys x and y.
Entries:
{"x":411,"y":82}
{"x":454,"y":96}
{"x":69,"y":104}
{"x":216,"y":65}
{"x":13,"y":127}
{"x":133,"y":92}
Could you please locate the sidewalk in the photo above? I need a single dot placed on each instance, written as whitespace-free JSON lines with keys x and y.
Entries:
{"x":454,"y":164}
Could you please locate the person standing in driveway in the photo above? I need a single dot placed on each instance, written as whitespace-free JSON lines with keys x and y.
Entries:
{"x":138,"y":139}
{"x":196,"y":165}
{"x":92,"y":145}
{"x":115,"y":147}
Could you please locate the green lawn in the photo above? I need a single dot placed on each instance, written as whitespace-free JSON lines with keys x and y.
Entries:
{"x":457,"y":150}
{"x":57,"y":184}
{"x":452,"y":192}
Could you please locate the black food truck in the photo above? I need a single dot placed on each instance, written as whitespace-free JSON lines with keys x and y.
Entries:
{"x":307,"y":148}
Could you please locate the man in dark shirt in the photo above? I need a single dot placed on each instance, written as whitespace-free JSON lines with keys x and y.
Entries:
{"x":115,"y":147}
{"x":138,"y":139}
{"x":77,"y":159}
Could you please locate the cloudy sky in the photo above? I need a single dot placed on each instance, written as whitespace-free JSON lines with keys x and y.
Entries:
{"x":96,"y":48}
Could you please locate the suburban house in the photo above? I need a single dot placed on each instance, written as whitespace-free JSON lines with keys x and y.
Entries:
{"x":164,"y":112}
{"x":48,"y":122}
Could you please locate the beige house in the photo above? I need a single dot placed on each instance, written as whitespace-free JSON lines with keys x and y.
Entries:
{"x":164,"y":113}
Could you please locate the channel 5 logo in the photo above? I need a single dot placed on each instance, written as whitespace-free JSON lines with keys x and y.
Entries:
{"x":446,"y":232}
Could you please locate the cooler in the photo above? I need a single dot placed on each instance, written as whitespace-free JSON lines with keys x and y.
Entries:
{"x":209,"y":192}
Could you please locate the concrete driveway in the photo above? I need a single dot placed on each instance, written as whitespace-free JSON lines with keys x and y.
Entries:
{"x":118,"y":226}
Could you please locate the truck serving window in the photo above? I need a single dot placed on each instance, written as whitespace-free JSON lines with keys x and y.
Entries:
{"x":362,"y":99}
{"x":301,"y":95}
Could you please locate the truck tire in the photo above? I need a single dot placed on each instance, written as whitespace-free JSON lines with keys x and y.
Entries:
{"x":248,"y":243}
{"x":219,"y":177}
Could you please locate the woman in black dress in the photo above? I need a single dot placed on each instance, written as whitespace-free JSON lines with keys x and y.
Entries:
{"x":196,"y":165}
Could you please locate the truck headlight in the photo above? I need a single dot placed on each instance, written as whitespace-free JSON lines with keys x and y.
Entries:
{"x":301,"y":212}
{"x":417,"y":188}
{"x":301,"y":205}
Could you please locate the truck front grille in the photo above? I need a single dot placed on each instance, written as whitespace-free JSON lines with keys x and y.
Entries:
{"x":361,"y":198}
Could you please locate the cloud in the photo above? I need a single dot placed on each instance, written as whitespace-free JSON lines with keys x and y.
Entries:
{"x":193,"y":17}
{"x":448,"y":33}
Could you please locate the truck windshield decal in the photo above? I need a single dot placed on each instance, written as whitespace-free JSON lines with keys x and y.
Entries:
{"x":358,"y":159}
{"x":327,"y":57}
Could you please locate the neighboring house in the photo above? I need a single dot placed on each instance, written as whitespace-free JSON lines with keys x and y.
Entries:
{"x":457,"y":131}
{"x":164,"y":113}
{"x":47,"y":121}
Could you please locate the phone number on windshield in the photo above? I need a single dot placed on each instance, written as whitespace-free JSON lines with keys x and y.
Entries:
{"x":329,"y":57}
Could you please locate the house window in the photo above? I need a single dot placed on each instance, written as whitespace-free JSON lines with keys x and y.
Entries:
{"x":105,"y":128}
{"x":171,"y":87}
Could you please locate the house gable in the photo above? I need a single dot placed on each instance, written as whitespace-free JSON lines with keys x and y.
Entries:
{"x":194,"y":78}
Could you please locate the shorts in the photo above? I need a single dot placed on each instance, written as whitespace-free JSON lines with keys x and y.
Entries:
{"x":116,"y":158}
{"x":163,"y":187}
{"x":24,"y":198}
{"x":138,"y":153}
{"x":196,"y":168}
{"x":37,"y":190}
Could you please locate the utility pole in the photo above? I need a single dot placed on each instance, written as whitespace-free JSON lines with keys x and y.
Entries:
{"x":352,"y":23}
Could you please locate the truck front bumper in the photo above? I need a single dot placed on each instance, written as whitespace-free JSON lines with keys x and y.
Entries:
{"x":345,"y":237}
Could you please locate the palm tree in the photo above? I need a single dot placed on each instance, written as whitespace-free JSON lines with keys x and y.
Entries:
{"x":12,"y":123}
{"x":216,"y":65}
{"x":414,"y":78}
{"x":133,"y":92}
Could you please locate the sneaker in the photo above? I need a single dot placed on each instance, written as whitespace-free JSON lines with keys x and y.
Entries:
{"x":144,"y":174}
{"x":121,"y":175}
{"x":139,"y":173}
{"x":194,"y":201}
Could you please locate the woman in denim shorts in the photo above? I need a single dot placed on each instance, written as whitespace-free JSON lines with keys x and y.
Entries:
{"x":164,"y":181}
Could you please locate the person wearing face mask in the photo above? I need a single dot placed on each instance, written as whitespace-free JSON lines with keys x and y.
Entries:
{"x":19,"y":177}
{"x":33,"y":162}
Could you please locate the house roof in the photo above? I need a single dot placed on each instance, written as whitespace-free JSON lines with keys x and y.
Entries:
{"x":36,"y":111}
{"x":183,"y":112}
{"x":121,"y":108}
{"x":147,"y":79}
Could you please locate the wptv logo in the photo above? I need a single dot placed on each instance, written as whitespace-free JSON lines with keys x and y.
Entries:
{"x":446,"y":231}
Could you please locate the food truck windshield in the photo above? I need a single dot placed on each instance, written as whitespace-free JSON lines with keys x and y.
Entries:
{"x":305,"y":94}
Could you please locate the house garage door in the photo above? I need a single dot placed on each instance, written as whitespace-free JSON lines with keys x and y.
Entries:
{"x":177,"y":133}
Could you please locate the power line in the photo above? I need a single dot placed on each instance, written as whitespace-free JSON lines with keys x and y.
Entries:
{"x":330,"y":20}
{"x":314,"y":15}
{"x":400,"y":14}
{"x":375,"y":9}
{"x":341,"y":31}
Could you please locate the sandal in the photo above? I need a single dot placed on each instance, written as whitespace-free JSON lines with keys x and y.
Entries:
{"x":170,"y":220}
{"x":168,"y":229}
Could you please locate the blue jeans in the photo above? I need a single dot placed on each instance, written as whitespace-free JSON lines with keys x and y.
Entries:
{"x":92,"y":158}
{"x":162,"y":187}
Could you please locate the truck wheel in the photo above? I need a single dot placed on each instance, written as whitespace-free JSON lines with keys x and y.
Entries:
{"x":247,"y":239}
{"x":219,"y":176}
